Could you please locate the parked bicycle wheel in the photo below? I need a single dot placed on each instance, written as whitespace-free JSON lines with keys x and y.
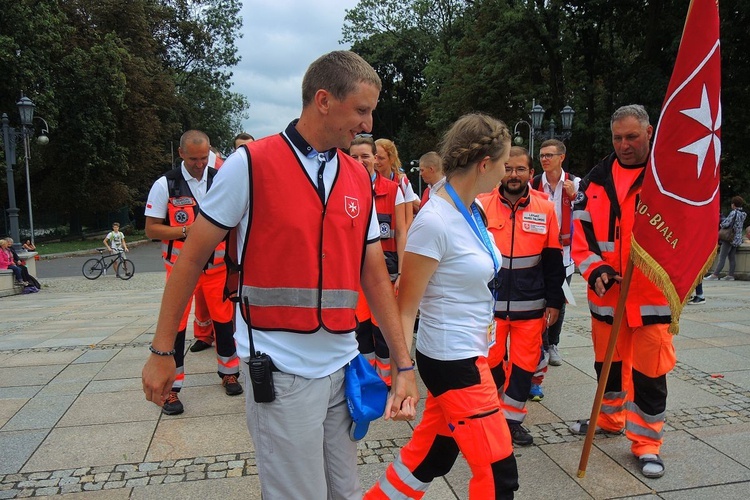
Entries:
{"x":127,"y":269}
{"x":92,"y":269}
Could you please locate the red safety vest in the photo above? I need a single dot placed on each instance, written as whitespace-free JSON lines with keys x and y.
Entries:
{"x":302,"y":261}
{"x":182,"y":209}
{"x":385,"y":203}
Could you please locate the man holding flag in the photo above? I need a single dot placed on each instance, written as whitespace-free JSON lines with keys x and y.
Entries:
{"x":653,"y":213}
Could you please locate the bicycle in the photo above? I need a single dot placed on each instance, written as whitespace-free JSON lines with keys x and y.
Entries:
{"x":94,"y":267}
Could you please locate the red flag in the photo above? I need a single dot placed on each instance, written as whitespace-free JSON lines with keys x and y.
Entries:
{"x":675,"y":231}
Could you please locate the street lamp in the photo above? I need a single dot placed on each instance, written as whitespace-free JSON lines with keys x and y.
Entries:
{"x":415,"y":168}
{"x":518,"y":140}
{"x":10,"y":135}
{"x":537,"y":119}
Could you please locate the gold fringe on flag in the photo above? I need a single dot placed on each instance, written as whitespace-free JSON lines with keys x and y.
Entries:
{"x":654,"y":272}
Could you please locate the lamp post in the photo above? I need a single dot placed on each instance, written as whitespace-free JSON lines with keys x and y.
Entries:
{"x":415,"y":168}
{"x":518,"y":140}
{"x":537,"y":119}
{"x":10,"y":136}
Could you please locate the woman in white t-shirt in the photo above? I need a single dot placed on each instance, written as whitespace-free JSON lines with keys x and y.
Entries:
{"x":449,"y":260}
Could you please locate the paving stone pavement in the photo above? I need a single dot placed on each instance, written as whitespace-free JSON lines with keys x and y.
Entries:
{"x":74,"y":423}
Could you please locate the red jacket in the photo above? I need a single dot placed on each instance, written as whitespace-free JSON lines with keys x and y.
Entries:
{"x":603,"y":217}
{"x":302,"y":261}
{"x":532,"y":272}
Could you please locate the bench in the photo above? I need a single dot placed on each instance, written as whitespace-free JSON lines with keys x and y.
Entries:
{"x":8,"y":283}
{"x":742,"y":270}
{"x":7,"y":280}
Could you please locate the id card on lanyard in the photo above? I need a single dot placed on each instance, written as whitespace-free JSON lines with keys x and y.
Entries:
{"x":477,"y":225}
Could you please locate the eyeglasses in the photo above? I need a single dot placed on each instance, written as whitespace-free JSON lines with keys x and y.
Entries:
{"x":518,"y":170}
{"x":548,"y":156}
{"x":366,"y":136}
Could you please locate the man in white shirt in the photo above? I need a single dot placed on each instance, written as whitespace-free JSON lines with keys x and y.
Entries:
{"x":431,"y":170}
{"x":171,"y":209}
{"x":561,"y":187}
{"x":298,"y":416}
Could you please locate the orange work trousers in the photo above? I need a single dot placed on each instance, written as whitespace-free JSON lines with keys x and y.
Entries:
{"x":211,"y":285}
{"x":636,"y":394}
{"x":203,"y":328}
{"x":514,"y":359}
{"x":463,"y":415}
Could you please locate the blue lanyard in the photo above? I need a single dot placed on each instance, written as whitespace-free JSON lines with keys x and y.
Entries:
{"x":475,"y":223}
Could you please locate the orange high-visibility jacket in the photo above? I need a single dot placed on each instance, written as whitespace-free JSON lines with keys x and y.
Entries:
{"x":527,"y":235}
{"x":302,"y":260}
{"x":603,"y":224}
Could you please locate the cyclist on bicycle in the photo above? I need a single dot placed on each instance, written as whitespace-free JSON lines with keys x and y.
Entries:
{"x":115,"y":243}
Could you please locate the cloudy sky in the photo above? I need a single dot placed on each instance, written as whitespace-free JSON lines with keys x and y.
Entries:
{"x":281,"y":38}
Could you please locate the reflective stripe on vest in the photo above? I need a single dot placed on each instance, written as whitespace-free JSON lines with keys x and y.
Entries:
{"x":520,"y":305}
{"x":299,"y":297}
{"x":584,"y":266}
{"x":651,"y":310}
{"x":606,"y":246}
{"x":602,"y":312}
{"x":581,"y":215}
{"x":521,"y":262}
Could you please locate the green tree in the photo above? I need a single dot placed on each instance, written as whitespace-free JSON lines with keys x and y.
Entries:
{"x":200,"y":47}
{"x":116,"y":81}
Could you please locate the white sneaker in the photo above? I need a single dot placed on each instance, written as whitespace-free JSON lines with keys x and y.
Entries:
{"x":554,"y":355}
{"x":711,"y":277}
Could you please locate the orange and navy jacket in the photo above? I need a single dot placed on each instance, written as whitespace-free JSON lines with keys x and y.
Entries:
{"x":603,"y":216}
{"x":182,"y":209}
{"x":532,"y":271}
{"x":302,"y":258}
{"x":385,"y":204}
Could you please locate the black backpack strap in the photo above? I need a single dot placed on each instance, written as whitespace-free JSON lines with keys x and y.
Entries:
{"x":536,"y":182}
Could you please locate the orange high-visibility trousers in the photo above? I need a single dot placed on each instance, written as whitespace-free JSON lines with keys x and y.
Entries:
{"x":636,"y":394}
{"x":211,"y":284}
{"x":514,"y":366}
{"x":463,"y":415}
{"x":203,"y":328}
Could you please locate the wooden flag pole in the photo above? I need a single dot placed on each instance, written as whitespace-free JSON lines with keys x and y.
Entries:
{"x":604,"y":375}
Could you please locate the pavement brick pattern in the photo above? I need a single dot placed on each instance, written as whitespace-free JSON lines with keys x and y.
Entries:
{"x":95,"y":334}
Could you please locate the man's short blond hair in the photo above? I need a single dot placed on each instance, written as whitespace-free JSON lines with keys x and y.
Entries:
{"x":432,"y":159}
{"x":339,"y":72}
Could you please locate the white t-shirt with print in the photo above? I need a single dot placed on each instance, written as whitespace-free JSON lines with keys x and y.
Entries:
{"x":115,"y":240}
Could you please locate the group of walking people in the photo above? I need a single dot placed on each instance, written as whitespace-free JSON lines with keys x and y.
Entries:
{"x":483,"y":264}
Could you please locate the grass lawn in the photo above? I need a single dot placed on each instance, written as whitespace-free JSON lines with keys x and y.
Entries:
{"x":76,"y":245}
